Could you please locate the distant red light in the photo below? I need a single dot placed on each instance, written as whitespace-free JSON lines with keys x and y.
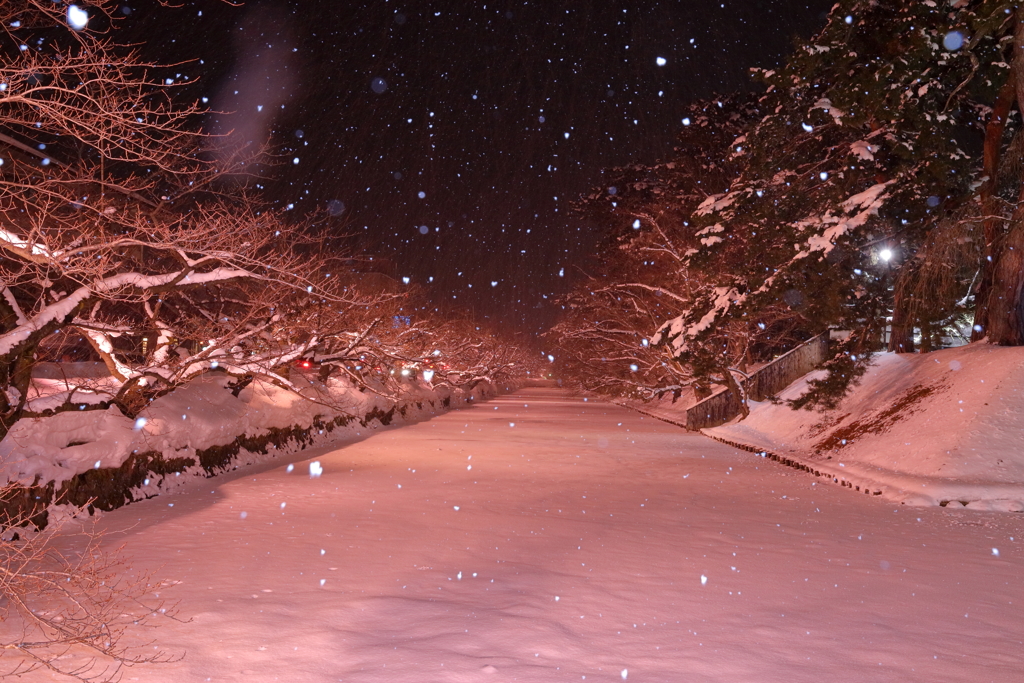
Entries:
{"x":305,"y":363}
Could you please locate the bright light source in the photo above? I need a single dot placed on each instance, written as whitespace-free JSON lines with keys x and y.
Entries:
{"x":78,"y":18}
{"x":661,"y":61}
{"x":428,"y":375}
{"x":551,"y":359}
{"x":885,"y":254}
{"x":636,"y":224}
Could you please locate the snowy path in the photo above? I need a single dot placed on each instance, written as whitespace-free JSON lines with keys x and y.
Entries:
{"x":581,"y":536}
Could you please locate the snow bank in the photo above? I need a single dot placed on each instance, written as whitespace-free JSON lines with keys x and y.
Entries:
{"x":202,"y":428}
{"x":943,"y":428}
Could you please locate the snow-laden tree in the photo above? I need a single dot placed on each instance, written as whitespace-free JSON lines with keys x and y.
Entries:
{"x":108,"y":227}
{"x":859,"y":157}
{"x":874,"y":191}
{"x":644,"y":274}
{"x":117,"y":228}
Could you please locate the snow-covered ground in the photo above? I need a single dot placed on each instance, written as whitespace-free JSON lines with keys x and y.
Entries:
{"x":541,"y":538}
{"x":942,"y":428}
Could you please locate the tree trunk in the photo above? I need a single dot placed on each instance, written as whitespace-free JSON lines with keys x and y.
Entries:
{"x":991,"y":223}
{"x":928,"y":342}
{"x":739,"y":395}
{"x":901,"y":339}
{"x":1006,"y":300}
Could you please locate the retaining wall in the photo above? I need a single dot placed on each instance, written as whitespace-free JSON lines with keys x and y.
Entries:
{"x":762,"y":383}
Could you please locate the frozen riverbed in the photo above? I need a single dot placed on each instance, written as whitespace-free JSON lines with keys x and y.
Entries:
{"x":542,"y":538}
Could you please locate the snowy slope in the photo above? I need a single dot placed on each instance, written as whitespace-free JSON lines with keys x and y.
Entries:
{"x":926,"y":429}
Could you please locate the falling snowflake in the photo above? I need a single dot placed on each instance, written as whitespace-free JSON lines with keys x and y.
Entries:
{"x":78,"y":18}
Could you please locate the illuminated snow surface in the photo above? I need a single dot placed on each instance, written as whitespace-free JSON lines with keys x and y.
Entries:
{"x":576,"y":548}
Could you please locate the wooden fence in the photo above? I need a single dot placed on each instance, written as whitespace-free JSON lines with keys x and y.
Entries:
{"x":762,"y":383}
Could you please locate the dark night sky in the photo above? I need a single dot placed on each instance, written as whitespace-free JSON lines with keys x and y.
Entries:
{"x":499,"y":113}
